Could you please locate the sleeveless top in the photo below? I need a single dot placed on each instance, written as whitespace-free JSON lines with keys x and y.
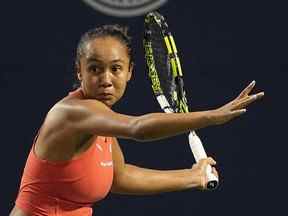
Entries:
{"x":50,"y":188}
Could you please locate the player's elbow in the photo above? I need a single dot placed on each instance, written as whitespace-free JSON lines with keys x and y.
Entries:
{"x":139,"y":130}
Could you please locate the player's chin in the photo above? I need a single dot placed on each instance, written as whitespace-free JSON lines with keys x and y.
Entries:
{"x":107,"y":101}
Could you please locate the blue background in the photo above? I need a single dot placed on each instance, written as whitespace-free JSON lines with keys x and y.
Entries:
{"x":223,"y":47}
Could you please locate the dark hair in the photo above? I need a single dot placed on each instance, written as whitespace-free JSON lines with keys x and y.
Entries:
{"x":116,"y":31}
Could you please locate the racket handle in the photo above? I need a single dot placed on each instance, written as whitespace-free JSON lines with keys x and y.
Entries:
{"x":195,"y":145}
{"x":199,"y":153}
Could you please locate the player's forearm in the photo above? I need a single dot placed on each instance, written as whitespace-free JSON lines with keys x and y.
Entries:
{"x":140,"y":181}
{"x":93,"y":117}
{"x":160,"y":125}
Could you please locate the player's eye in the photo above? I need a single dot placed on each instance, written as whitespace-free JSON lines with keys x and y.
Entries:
{"x":116,"y":68}
{"x":94,"y":68}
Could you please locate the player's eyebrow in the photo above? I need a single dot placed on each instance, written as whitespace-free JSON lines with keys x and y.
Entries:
{"x":93,"y":58}
{"x":117,"y":60}
{"x":98,"y":60}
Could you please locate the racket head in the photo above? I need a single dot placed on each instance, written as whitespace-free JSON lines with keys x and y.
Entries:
{"x":163,"y":64}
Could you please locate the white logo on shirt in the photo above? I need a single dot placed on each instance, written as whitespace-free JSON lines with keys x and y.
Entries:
{"x":110,"y":148}
{"x":106,"y":163}
{"x":99,"y":147}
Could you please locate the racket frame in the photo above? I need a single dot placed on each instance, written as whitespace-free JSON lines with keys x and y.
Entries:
{"x":178,"y":96}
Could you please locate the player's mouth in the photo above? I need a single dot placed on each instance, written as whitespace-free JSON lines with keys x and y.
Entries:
{"x":104,"y":96}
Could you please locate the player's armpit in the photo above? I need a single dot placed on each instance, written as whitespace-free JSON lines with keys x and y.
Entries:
{"x":118,"y":158}
{"x":118,"y":164}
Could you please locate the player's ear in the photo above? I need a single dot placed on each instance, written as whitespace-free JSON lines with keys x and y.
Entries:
{"x":78,"y":70}
{"x":131,"y":67}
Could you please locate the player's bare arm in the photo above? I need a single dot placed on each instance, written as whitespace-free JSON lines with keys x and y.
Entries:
{"x":130,"y":179}
{"x":94,"y":117}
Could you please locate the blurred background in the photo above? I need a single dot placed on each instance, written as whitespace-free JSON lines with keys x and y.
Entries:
{"x":223,"y":47}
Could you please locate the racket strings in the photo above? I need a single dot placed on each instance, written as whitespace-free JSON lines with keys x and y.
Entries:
{"x":162,"y":64}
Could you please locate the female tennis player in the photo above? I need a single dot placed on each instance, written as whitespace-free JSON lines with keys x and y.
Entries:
{"x":75,"y":159}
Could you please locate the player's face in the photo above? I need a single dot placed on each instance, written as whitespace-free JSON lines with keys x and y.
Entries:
{"x":104,"y":70}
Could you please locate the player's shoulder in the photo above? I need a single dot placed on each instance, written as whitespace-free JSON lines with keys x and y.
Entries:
{"x":76,"y":104}
{"x":71,"y":109}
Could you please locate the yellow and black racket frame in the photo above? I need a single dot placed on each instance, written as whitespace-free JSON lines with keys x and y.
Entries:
{"x":179,"y":94}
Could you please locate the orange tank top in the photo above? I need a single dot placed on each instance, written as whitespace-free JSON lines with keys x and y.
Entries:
{"x":67,"y":188}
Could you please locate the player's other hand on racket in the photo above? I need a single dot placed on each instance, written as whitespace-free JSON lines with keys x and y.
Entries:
{"x":237,"y":106}
{"x":199,"y":170}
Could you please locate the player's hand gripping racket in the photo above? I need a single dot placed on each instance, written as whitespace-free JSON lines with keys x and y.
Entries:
{"x":166,"y":78}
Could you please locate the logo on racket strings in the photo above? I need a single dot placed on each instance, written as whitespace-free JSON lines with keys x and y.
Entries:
{"x":125,"y":8}
{"x":151,"y":68}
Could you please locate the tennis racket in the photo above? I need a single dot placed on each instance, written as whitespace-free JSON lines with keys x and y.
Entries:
{"x":166,"y":78}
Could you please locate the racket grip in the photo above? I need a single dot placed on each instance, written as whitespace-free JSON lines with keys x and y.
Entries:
{"x":212,"y":179}
{"x":199,"y":153}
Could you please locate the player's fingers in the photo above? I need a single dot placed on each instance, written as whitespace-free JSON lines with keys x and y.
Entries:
{"x":247,"y":90}
{"x":203,"y":163}
{"x":248,"y":100}
{"x":214,"y":171}
{"x":208,"y":160}
{"x":259,"y":95}
{"x":236,"y":113}
{"x":211,"y":161}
